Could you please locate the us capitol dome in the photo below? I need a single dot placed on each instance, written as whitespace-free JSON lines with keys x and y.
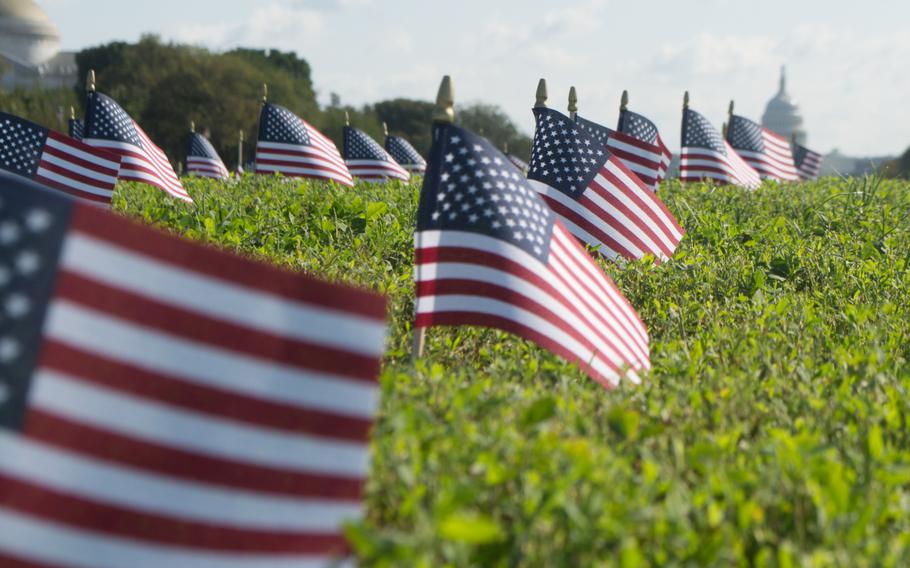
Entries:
{"x":782,"y":114}
{"x":30,"y":53}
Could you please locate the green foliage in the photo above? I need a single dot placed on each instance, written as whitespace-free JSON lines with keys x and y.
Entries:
{"x":899,"y":168}
{"x":772,"y":431}
{"x":496,"y":126}
{"x":49,"y":108}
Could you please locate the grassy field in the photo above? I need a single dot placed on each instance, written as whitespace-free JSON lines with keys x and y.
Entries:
{"x":772,"y":431}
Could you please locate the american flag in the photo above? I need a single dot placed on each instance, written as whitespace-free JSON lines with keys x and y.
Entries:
{"x":108,"y":126}
{"x":599,"y":199}
{"x":289,"y":145}
{"x":203,"y":160}
{"x":367,"y":160}
{"x":57,"y":161}
{"x":489,"y":252}
{"x":167,"y":404}
{"x":706,"y":155}
{"x":518,"y":162}
{"x":76,"y":128}
{"x":808,"y":163}
{"x":627,"y":148}
{"x":767,"y":152}
{"x":650,"y":150}
{"x":405,"y":154}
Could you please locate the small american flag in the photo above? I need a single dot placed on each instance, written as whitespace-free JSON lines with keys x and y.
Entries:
{"x":108,"y":126}
{"x":808,"y":163}
{"x":168,"y":404}
{"x":203,"y":160}
{"x":767,"y":152}
{"x":706,"y":155}
{"x":57,"y":161}
{"x":650,"y":152}
{"x":643,"y":159}
{"x":289,"y":145}
{"x":599,"y":199}
{"x":76,"y":128}
{"x":518,"y":162}
{"x":367,"y":160}
{"x":489,"y":252}
{"x":405,"y":154}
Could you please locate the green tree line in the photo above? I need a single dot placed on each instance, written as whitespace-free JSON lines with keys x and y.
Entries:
{"x":164,"y":86}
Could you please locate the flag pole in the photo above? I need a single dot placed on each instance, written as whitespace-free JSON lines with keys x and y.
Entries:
{"x":541,"y":95}
{"x":347,"y":119}
{"x":573,"y":103}
{"x":726,"y":127}
{"x":240,"y":151}
{"x":444,"y":113}
{"x":624,"y":101}
{"x":505,"y":148}
{"x":682,"y":134}
{"x":385,"y":129}
{"x":72,"y":113}
{"x":90,"y":82}
{"x":265,"y":93}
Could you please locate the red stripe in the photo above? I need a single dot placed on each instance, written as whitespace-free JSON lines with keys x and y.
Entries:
{"x":225,"y":266}
{"x":595,"y":231}
{"x":641,"y":226}
{"x":75,"y":176}
{"x":174,"y":390}
{"x":78,"y":193}
{"x":330,"y":155}
{"x":198,"y":327}
{"x":174,"y":462}
{"x":309,"y":162}
{"x":101,"y":168}
{"x":8,"y":561}
{"x":484,"y":320}
{"x":640,"y":198}
{"x":118,"y":521}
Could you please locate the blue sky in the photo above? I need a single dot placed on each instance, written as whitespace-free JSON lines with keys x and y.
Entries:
{"x":847,"y":61}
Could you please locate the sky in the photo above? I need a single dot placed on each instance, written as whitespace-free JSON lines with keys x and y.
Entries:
{"x":847,"y":62}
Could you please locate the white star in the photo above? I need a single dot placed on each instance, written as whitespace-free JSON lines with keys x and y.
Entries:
{"x":17,"y":305}
{"x":9,"y":232}
{"x":28,"y":262}
{"x":9,"y":349}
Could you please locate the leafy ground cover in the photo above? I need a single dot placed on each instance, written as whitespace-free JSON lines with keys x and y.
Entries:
{"x":772,"y":431}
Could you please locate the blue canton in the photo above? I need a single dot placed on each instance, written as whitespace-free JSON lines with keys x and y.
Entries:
{"x":106,"y":120}
{"x":278,"y":124}
{"x":698,"y":133}
{"x":564,"y":156}
{"x":743,"y":134}
{"x":637,"y":126}
{"x":21,"y":145}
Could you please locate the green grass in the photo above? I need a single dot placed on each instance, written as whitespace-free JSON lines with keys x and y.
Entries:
{"x":772,"y":431}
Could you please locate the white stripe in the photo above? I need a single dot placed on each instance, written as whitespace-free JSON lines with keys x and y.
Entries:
{"x":166,"y":180}
{"x":330,"y":153}
{"x":147,"y":491}
{"x":668,"y":232}
{"x":73,"y":184}
{"x":50,"y":543}
{"x":208,"y":366}
{"x":304,"y":172}
{"x":617,"y":216}
{"x":83,"y":155}
{"x":194,"y":432}
{"x":108,"y":180}
{"x":650,"y":159}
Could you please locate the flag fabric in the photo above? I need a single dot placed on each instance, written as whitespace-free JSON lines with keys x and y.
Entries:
{"x":649,"y":151}
{"x":76,"y":128}
{"x":203,"y":160}
{"x":489,"y":252}
{"x":706,"y":155}
{"x":808,"y":163}
{"x":289,"y":145}
{"x":367,"y":160}
{"x":57,"y":161}
{"x":767,"y":152}
{"x":633,"y":153}
{"x":518,"y":163}
{"x":598,"y":198}
{"x":168,"y":404}
{"x":405,"y":154}
{"x":109,"y":127}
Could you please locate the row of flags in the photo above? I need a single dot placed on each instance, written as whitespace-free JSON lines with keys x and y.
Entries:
{"x":163,"y":403}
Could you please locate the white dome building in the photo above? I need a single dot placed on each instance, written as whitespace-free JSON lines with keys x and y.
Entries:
{"x":782,"y":114}
{"x":30,"y":48}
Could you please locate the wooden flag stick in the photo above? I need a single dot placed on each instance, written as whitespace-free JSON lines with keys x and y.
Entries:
{"x":624,"y":101}
{"x":686,"y":100}
{"x":444,"y":113}
{"x":573,"y":103}
{"x":730,"y":110}
{"x":541,"y":94}
{"x":505,"y":148}
{"x":240,"y":151}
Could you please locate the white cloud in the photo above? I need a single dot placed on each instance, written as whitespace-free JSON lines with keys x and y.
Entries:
{"x":282,"y":25}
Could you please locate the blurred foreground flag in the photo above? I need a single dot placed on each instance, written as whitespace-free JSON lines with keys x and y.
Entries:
{"x":490,"y":252}
{"x":107,"y":126}
{"x":405,"y":154}
{"x":706,"y":155}
{"x":289,"y":145}
{"x":648,"y":153}
{"x":808,"y":163}
{"x":599,"y":199}
{"x":767,"y":152}
{"x":203,"y":160}
{"x":518,"y":163}
{"x":57,"y":161}
{"x":167,"y":404}
{"x":367,"y":160}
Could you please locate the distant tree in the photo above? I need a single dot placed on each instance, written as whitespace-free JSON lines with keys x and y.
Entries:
{"x":409,"y":118}
{"x":899,"y":167}
{"x":496,"y":126}
{"x":49,"y":108}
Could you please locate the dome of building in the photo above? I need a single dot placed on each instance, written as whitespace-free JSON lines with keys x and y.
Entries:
{"x":782,"y":114}
{"x":27,"y":35}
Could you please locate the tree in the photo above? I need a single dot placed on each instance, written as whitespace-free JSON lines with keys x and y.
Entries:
{"x":496,"y":127}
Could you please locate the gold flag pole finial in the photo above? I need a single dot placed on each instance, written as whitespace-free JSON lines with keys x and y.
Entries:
{"x":265,"y":93}
{"x":385,"y":129}
{"x":72,"y":113}
{"x":686,"y":100}
{"x":624,"y":101}
{"x":541,"y":94}
{"x":573,"y":103}
{"x":347,"y":119}
{"x":723,"y":129}
{"x":240,"y":151}
{"x":505,"y":147}
{"x":445,"y":102}
{"x":90,"y":82}
{"x":192,"y":126}
{"x":730,"y":110}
